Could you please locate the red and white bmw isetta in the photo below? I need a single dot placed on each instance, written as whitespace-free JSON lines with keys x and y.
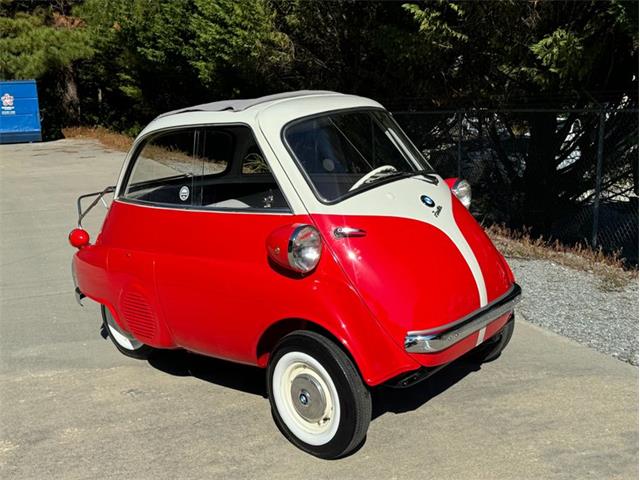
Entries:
{"x":304,"y":233}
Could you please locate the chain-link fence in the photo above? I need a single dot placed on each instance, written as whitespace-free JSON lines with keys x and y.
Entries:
{"x":570,"y":175}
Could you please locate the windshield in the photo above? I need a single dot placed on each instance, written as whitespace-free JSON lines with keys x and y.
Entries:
{"x":343,"y":153}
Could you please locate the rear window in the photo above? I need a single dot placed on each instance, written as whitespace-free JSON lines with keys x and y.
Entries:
{"x":164,"y":170}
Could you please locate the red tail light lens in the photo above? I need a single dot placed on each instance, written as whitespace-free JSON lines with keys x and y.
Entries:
{"x":78,"y":237}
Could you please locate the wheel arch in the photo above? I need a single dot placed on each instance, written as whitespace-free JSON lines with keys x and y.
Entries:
{"x":277,"y":330}
{"x":374,"y":355}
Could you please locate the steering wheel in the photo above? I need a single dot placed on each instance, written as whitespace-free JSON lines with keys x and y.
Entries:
{"x":373,"y":173}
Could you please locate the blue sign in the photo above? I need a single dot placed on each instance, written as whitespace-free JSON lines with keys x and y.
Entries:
{"x":19,"y":112}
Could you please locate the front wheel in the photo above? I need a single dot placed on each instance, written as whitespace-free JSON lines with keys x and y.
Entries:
{"x":124,"y":341}
{"x":318,"y":398}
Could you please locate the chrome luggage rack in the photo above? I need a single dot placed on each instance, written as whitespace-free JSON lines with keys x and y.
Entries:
{"x":98,"y":195}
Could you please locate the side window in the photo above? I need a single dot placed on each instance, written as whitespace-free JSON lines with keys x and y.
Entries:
{"x":236,"y":175}
{"x":164,"y":170}
{"x":254,"y":163}
{"x":218,"y":145}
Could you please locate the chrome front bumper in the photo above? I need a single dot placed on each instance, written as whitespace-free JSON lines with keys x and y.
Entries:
{"x":440,"y":338}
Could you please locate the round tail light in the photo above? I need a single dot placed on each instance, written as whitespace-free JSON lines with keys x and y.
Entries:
{"x":78,"y":238}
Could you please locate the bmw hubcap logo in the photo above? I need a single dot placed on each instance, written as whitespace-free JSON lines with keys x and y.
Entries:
{"x":427,"y":200}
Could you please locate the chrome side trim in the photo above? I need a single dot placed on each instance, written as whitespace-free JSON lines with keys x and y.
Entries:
{"x":440,"y":338}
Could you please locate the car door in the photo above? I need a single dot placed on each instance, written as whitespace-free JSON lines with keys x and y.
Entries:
{"x":212,"y":271}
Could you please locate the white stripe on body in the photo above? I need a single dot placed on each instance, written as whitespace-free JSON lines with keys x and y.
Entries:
{"x":402,"y":199}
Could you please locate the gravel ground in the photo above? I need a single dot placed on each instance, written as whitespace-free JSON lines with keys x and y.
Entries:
{"x":573,"y":303}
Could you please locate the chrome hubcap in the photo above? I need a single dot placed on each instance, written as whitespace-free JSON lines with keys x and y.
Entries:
{"x":308,"y":398}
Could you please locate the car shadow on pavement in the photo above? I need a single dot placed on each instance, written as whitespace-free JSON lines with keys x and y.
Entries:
{"x":251,"y":380}
{"x":240,"y":377}
{"x":400,"y":400}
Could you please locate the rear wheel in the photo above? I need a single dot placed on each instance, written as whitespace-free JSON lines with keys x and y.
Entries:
{"x":492,"y":348}
{"x":318,"y":399}
{"x":124,"y":341}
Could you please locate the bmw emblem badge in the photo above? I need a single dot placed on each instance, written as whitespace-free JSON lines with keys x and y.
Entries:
{"x":427,"y":200}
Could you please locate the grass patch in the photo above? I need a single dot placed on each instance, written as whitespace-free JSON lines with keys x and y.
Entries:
{"x":609,"y":268}
{"x":108,"y":138}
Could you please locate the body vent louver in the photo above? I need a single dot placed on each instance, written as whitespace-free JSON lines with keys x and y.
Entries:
{"x":139,"y":315}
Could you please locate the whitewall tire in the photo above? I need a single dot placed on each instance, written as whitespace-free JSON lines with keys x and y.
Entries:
{"x":318,"y":399}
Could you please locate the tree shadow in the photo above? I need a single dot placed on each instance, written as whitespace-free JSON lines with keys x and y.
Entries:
{"x":236,"y":376}
{"x":401,"y":400}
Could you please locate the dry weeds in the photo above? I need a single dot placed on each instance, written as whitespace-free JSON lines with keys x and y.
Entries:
{"x":609,"y":268}
{"x":108,"y":138}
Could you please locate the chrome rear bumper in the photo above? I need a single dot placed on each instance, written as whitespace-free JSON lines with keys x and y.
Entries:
{"x":440,"y":338}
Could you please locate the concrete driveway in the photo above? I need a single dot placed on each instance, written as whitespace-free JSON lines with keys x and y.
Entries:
{"x":72,"y":407}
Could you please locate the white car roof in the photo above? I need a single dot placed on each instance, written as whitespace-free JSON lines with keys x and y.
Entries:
{"x":275,"y":109}
{"x":240,"y":104}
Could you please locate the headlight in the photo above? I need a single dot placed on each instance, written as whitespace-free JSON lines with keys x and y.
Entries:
{"x":462,"y":190}
{"x":305,"y":247}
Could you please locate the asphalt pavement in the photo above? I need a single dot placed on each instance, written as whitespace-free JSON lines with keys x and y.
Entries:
{"x":72,"y":407}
